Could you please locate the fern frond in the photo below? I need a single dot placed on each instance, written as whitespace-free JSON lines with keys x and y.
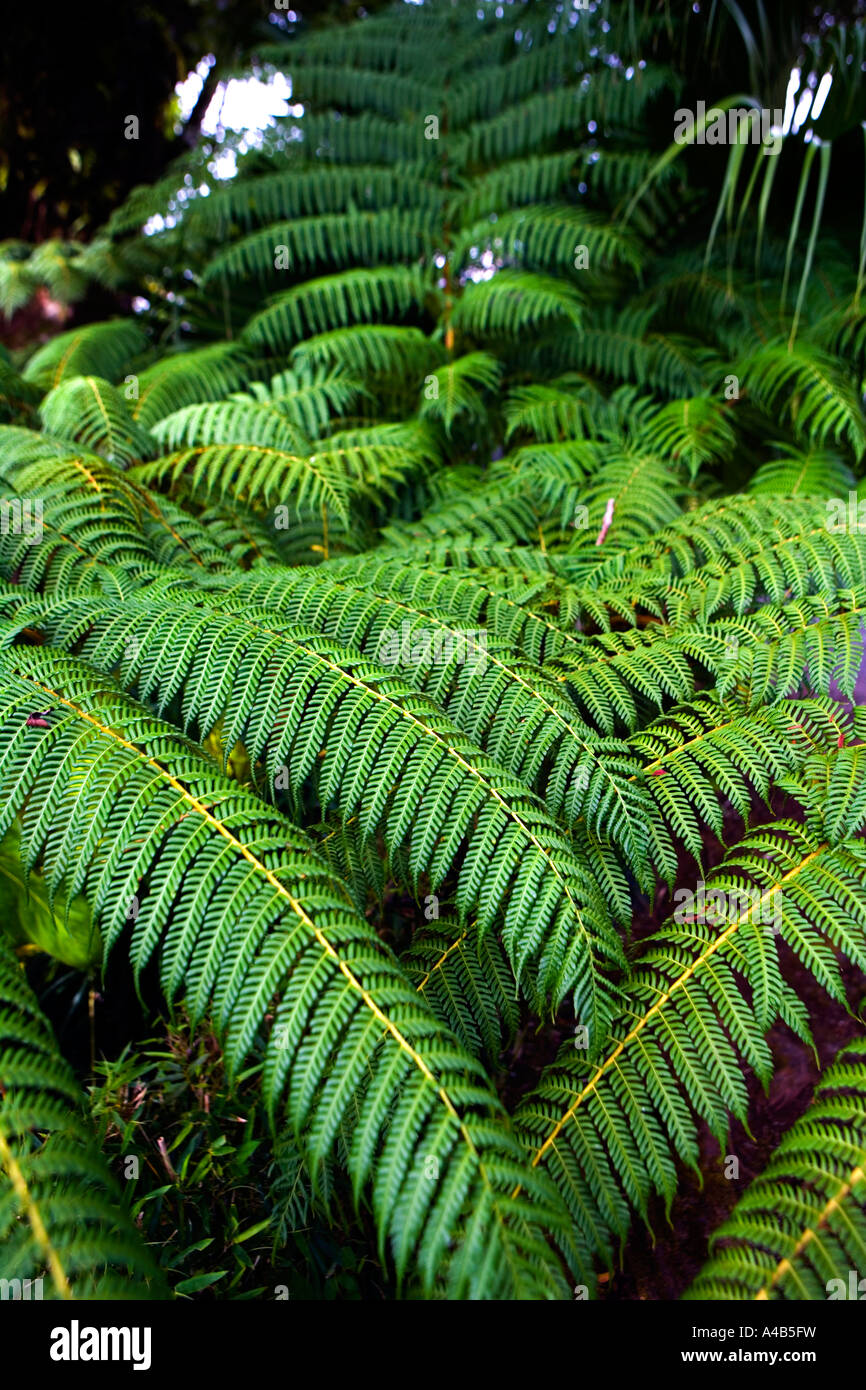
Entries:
{"x":624,"y":349}
{"x":332,"y":239}
{"x":538,"y":178}
{"x":375,"y":348}
{"x":559,"y":409}
{"x":186,"y":378}
{"x":467,"y":983}
{"x":698,"y":431}
{"x":805,"y":385}
{"x":799,"y":1230}
{"x":310,"y":399}
{"x":303,"y":192}
{"x":804,"y":473}
{"x":355,"y":296}
{"x":326,"y":697}
{"x":88,"y":410}
{"x":98,"y":349}
{"x":610,"y":1134}
{"x":525,"y":127}
{"x":62,"y":1218}
{"x":242,"y":910}
{"x":502,"y":703}
{"x":514,"y":301}
{"x":231,"y":422}
{"x":705,"y":754}
{"x":265,"y":478}
{"x":453,"y":390}
{"x":548,"y":237}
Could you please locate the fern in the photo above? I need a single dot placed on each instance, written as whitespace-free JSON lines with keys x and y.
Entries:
{"x":343,"y":698}
{"x":670,"y":1059}
{"x":61,"y":1213}
{"x":100,"y":349}
{"x":91,"y":412}
{"x":317,"y":305}
{"x":798,"y":1230}
{"x":248,"y":864}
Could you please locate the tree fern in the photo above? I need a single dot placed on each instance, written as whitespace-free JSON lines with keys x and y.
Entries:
{"x":101,"y":349}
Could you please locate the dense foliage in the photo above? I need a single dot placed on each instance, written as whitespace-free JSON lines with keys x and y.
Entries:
{"x":432,"y":629}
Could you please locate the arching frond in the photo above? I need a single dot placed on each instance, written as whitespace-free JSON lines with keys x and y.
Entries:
{"x":185,"y":378}
{"x":804,"y":385}
{"x":455,"y":390}
{"x":90,"y":411}
{"x":513,"y":301}
{"x":798,"y":1230}
{"x":151,"y":818}
{"x":65,"y":1230}
{"x":98,"y":349}
{"x":610,"y":1134}
{"x":370,"y":721}
{"x":355,"y":296}
{"x":331,"y":239}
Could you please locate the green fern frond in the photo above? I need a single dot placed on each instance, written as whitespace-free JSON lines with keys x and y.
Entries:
{"x":799,"y":1230}
{"x":352,"y":88}
{"x":806,"y":386}
{"x":303,"y":192}
{"x":467,"y":983}
{"x":375,"y":348}
{"x":538,"y":178}
{"x":453,"y":390}
{"x":610,"y":1134}
{"x":231,"y":422}
{"x":368,"y":721}
{"x":631,"y":497}
{"x":524,"y":128}
{"x":242,"y":910}
{"x":88,"y":410}
{"x":706,"y":754}
{"x":624,"y":349}
{"x":698,"y":431}
{"x":501,"y":702}
{"x":505,"y":557}
{"x":98,"y":349}
{"x":514,"y":301}
{"x":332,"y":239}
{"x":471,"y":599}
{"x":63,"y":1223}
{"x":804,"y":473}
{"x":559,"y":409}
{"x":206,"y":374}
{"x":17,"y":282}
{"x":355,"y":296}
{"x":311,"y":400}
{"x":549,"y":237}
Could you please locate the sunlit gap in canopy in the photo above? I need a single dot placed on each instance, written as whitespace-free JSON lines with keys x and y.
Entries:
{"x":246,"y":107}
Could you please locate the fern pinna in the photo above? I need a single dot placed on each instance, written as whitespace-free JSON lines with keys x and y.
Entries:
{"x":433,"y":620}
